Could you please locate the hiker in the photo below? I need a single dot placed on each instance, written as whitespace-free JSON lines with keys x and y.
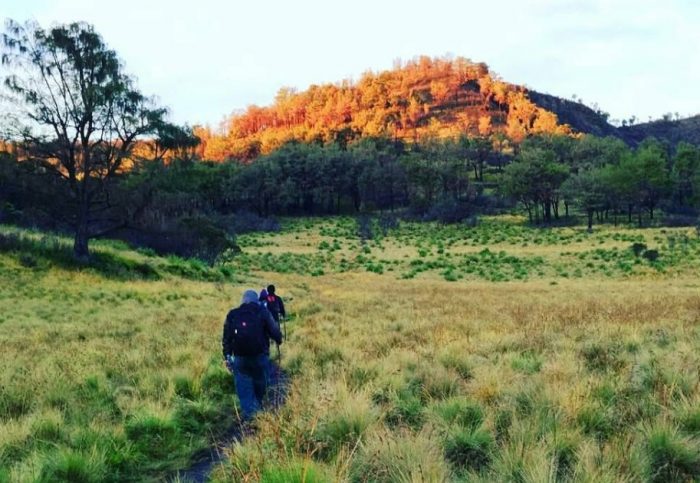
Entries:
{"x":275,"y":304}
{"x":263,"y":298}
{"x":246,"y":346}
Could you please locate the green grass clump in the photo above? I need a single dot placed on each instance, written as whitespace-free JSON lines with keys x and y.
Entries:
{"x":73,"y":467}
{"x":400,"y":457}
{"x":344,"y":428}
{"x":602,"y":356}
{"x":469,"y":448}
{"x":297,"y":471}
{"x":527,"y":363}
{"x":460,"y":412}
{"x":672,"y":457}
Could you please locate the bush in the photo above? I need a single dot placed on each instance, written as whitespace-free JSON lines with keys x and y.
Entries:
{"x":637,"y":248}
{"x":448,"y":211}
{"x":188,"y":237}
{"x":651,"y":255}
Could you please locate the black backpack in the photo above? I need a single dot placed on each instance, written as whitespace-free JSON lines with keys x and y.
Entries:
{"x":247,"y":330}
{"x":273,"y":305}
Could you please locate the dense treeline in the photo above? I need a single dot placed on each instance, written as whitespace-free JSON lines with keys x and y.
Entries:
{"x":194,"y":207}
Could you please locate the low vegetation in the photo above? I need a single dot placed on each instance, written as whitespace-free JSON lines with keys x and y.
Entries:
{"x":112,"y":368}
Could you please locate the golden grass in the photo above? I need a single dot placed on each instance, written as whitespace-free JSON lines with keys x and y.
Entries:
{"x":553,"y":379}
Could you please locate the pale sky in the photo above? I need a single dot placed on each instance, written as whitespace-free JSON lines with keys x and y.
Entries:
{"x":206,"y":58}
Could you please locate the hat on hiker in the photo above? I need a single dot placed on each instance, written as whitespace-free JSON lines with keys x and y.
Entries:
{"x":271,"y":289}
{"x":249,"y":296}
{"x":263,"y":294}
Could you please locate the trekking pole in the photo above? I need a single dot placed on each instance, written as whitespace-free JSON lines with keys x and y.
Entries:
{"x":284,"y":321}
{"x":279,"y":356}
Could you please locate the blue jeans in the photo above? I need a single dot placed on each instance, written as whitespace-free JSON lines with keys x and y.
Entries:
{"x":251,"y":374}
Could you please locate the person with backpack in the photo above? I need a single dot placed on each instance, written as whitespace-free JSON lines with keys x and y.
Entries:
{"x":245,"y":343}
{"x":263,"y":298}
{"x":275,"y":304}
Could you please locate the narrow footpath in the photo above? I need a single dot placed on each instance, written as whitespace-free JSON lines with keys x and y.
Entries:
{"x":199,"y":471}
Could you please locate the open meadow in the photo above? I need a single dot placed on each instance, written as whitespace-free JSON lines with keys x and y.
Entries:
{"x":416,"y":352}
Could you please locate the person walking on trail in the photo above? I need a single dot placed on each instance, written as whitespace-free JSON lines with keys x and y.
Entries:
{"x":275,"y":304}
{"x":263,"y":298}
{"x":246,"y":345}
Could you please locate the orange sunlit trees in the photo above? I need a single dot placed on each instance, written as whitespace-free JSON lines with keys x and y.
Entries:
{"x":437,"y":96}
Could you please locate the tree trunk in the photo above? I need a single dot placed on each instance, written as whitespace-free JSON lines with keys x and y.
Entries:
{"x":80,"y":244}
{"x":629,"y":213}
{"x":639,"y":217}
{"x":590,"y":221}
{"x":566,"y":208}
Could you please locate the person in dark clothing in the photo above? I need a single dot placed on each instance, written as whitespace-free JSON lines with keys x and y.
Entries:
{"x":263,"y":298}
{"x":275,"y":304}
{"x":246,"y":346}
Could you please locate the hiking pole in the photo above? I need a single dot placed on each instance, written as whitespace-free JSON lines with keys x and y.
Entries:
{"x":279,"y":356}
{"x":284,"y":321}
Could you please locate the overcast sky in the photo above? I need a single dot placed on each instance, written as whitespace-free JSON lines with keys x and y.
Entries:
{"x":206,"y":58}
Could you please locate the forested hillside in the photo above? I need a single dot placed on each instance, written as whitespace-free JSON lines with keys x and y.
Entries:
{"x":423,"y":97}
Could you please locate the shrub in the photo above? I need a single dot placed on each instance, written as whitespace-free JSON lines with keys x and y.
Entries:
{"x":637,"y":248}
{"x":651,"y":255}
{"x":448,"y":211}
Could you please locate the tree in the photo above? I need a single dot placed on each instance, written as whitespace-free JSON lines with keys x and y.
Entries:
{"x":685,"y":173}
{"x":587,"y":190}
{"x":534,"y":179}
{"x":651,"y":174}
{"x":78,"y":116}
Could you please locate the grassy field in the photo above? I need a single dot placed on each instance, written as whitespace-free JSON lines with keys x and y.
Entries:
{"x":490,"y":353}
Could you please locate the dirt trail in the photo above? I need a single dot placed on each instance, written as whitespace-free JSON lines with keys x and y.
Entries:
{"x":200,"y":470}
